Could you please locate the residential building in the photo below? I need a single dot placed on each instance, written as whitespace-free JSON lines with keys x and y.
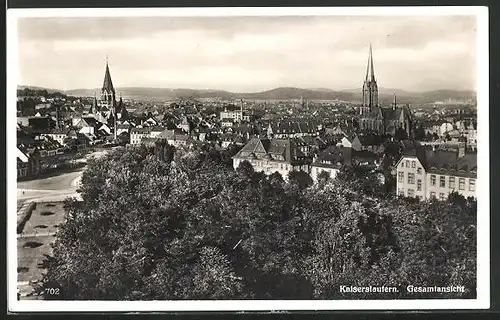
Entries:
{"x":56,"y":134}
{"x":123,"y":128}
{"x":176,"y":139}
{"x":136,"y":134}
{"x":237,"y":115}
{"x":435,"y":174}
{"x":289,"y":129}
{"x":273,"y":155}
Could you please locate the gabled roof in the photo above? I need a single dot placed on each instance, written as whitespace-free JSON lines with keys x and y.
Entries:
{"x":91,"y":121}
{"x":275,"y":149}
{"x":334,"y":157}
{"x":145,"y":130}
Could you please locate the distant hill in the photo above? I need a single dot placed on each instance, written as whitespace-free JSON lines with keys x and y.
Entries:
{"x":283,"y":93}
{"x":35,"y":88}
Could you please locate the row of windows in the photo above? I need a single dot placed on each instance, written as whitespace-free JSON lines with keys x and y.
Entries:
{"x":442,"y":196}
{"x":411,"y":164}
{"x":442,"y":181}
{"x":452,"y":183}
{"x":411,"y":193}
{"x":281,"y":166}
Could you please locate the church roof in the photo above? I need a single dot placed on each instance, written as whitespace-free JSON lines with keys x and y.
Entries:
{"x":107,"y":84}
{"x":370,"y":72}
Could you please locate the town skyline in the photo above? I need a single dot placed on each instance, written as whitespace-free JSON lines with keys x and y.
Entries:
{"x":249,"y":54}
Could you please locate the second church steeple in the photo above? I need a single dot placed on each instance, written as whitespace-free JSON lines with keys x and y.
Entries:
{"x":370,"y":88}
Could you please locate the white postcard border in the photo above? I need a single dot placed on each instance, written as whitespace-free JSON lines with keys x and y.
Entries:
{"x":483,"y":219}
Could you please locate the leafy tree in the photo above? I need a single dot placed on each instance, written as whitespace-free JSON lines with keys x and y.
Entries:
{"x":214,"y":277}
{"x":300,"y":178}
{"x":164,"y":223}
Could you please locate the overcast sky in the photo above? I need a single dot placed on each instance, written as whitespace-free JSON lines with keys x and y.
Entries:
{"x":246,"y":54}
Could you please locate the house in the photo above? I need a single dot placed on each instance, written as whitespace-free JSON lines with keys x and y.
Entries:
{"x":371,"y":142}
{"x":229,"y":139}
{"x":288,"y":129}
{"x":175,"y":139}
{"x":156,"y":130}
{"x":185,"y":125}
{"x":435,"y":173}
{"x":28,"y":162}
{"x":151,"y":121}
{"x":330,"y":161}
{"x":87,"y":125}
{"x":123,"y":128}
{"x":273,"y":155}
{"x":56,"y":134}
{"x":41,"y":124}
{"x":352,"y":141}
{"x":105,"y":129}
{"x":136,"y":134}
{"x":235,"y":114}
{"x":445,"y":128}
{"x":227,"y":122}
{"x":333,"y":158}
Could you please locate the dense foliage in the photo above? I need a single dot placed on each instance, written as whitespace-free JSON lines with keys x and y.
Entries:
{"x":161,"y":223}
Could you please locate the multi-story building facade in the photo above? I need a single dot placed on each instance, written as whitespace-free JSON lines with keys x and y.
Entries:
{"x":136,"y":134}
{"x":435,"y":174}
{"x":236,"y":115}
{"x":292,"y":129}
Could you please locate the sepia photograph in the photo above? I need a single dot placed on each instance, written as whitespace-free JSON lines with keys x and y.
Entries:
{"x":248,"y":159}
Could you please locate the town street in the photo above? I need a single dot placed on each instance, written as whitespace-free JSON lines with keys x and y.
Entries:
{"x":53,"y":188}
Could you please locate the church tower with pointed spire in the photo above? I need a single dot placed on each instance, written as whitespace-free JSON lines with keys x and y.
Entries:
{"x":370,"y":88}
{"x":108,"y":94}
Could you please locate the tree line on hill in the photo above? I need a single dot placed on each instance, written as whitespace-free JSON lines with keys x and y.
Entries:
{"x":159,"y":223}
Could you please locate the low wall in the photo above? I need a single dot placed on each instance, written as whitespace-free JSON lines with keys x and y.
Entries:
{"x":24,"y":214}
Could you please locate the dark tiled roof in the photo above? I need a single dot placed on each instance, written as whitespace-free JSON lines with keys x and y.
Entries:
{"x":157,"y":128}
{"x":287,"y":127}
{"x":141,"y":130}
{"x":370,"y":140}
{"x":91,"y":121}
{"x":447,"y":162}
{"x":334,"y":157}
{"x":277,"y":150}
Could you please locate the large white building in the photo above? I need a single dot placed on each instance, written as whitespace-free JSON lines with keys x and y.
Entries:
{"x":137,"y":134}
{"x":435,"y":174}
{"x":237,"y":115}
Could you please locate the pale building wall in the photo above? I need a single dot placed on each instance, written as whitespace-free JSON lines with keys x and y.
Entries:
{"x":432,"y":184}
{"x":408,"y":175}
{"x":316,"y":171}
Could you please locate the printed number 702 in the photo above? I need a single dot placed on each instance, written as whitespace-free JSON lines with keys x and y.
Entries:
{"x":52,"y":291}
